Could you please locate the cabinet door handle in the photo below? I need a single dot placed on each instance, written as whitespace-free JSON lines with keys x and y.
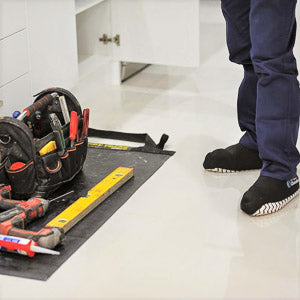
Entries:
{"x":105,"y":39}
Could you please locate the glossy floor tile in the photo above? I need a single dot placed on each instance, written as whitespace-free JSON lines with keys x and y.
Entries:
{"x":182,"y":235}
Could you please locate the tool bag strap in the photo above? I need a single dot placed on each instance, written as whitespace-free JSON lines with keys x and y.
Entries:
{"x":150,"y":145}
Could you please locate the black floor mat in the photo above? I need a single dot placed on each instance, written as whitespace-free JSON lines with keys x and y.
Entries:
{"x":99,"y":164}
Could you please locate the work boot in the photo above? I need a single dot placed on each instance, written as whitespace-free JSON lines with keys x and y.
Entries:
{"x":268,"y":195}
{"x":232,"y":159}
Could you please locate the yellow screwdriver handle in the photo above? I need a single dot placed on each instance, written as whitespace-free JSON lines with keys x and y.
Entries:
{"x":51,"y":146}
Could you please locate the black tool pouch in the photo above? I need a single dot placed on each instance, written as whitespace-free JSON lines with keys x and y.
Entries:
{"x":23,"y":167}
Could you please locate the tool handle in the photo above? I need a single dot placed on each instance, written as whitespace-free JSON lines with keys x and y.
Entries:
{"x":64,"y":109}
{"x":85,"y":126}
{"x":55,"y":122}
{"x":47,"y":237}
{"x":5,"y":198}
{"x":73,"y":126}
{"x":18,"y":213}
{"x":39,"y":105}
{"x":58,"y":133}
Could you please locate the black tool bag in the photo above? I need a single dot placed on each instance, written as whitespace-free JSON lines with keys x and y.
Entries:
{"x":21,"y":141}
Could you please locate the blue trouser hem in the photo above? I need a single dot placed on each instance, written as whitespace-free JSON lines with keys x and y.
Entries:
{"x":278,"y":176}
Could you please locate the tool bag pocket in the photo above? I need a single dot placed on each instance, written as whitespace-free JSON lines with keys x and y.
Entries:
{"x":22,"y":180}
{"x":54,"y":168}
{"x":36,"y":159}
{"x":49,"y":171}
{"x":77,"y":155}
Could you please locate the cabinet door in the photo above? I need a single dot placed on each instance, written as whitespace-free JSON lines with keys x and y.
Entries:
{"x":15,"y":96}
{"x":52,"y":43}
{"x":157,"y":32}
{"x":13,"y":57}
{"x":12,"y":16}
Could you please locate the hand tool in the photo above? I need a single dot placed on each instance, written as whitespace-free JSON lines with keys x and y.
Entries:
{"x":22,"y":246}
{"x":38,"y":115}
{"x":22,"y":212}
{"x":58,"y":133}
{"x":19,"y":213}
{"x":73,"y":128}
{"x":37,"y":127}
{"x":16,"y":114}
{"x":64,"y":109}
{"x":51,"y":146}
{"x":114,"y":147}
{"x":84,"y":205}
{"x":85,"y":125}
{"x":39,"y":105}
{"x":29,"y":124}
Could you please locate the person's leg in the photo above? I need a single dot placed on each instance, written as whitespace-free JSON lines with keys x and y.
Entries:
{"x":236,"y":13}
{"x":273,"y":31}
{"x":243,"y":156}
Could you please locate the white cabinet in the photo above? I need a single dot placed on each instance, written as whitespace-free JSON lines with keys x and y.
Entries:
{"x":15,"y":95}
{"x":37,"y":49}
{"x":151,"y":31}
{"x":82,"y":5}
{"x":157,"y":32}
{"x":14,"y":62}
{"x":13,"y":57}
{"x":91,"y":22}
{"x":49,"y":39}
{"x":12,"y":17}
{"x":52,"y":43}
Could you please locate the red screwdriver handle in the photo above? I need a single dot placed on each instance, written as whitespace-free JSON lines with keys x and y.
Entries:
{"x":40,"y":105}
{"x":85,"y":126}
{"x":73,"y":126}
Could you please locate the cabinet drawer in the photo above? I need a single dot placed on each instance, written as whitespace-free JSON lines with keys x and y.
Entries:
{"x":15,"y":96}
{"x":12,"y":16}
{"x":13,"y":57}
{"x":157,"y":32}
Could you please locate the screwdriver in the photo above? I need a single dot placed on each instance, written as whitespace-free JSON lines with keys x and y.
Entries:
{"x":51,"y":146}
{"x":73,"y":127}
{"x":38,"y":105}
{"x":58,"y":133}
{"x":85,"y":126}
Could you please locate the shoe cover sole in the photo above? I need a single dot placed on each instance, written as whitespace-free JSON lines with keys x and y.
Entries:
{"x":220,"y":170}
{"x":273,"y":207}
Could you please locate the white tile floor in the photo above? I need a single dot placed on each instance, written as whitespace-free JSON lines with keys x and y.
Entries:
{"x":182,"y":235}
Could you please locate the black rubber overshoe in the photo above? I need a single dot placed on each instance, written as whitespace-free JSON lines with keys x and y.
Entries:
{"x":232,"y":159}
{"x":268,"y":195}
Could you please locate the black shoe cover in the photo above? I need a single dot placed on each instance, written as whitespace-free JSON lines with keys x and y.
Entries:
{"x":232,"y":159}
{"x":268,"y":195}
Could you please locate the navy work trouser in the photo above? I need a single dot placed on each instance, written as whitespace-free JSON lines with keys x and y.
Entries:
{"x":261,"y":36}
